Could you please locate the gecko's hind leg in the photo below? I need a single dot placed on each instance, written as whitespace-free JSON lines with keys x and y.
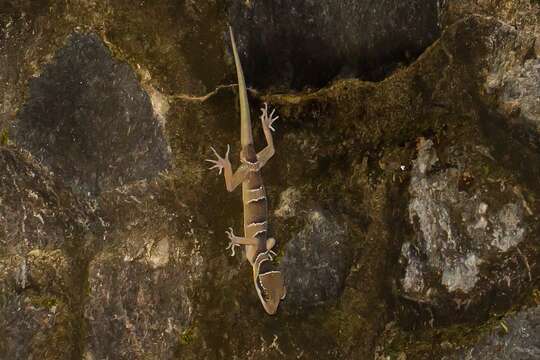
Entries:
{"x":270,"y":243}
{"x":232,"y":247}
{"x":238,"y":240}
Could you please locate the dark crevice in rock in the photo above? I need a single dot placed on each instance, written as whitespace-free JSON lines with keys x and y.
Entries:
{"x":297,"y":44}
{"x":90,"y":121}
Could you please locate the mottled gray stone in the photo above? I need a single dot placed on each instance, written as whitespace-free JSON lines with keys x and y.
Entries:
{"x":521,"y":93}
{"x":513,"y":77}
{"x":36,"y":315}
{"x":163,"y":286}
{"x":295,"y":44}
{"x":456,"y":231}
{"x":517,"y":338}
{"x":29,"y":217}
{"x":315,"y":261}
{"x":88,"y":118}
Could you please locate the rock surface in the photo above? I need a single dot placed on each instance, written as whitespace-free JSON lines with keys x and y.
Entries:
{"x":462,"y":223}
{"x":315,"y":263}
{"x":516,"y":338}
{"x":141,"y":284}
{"x":519,"y":89}
{"x":295,"y":44}
{"x":42,"y":224}
{"x":406,"y":211}
{"x":87,"y":108}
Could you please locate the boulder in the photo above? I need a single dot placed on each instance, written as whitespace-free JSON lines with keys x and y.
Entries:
{"x":462,"y":224}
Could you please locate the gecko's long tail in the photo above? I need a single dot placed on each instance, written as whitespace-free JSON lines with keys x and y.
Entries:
{"x":246,"y":136}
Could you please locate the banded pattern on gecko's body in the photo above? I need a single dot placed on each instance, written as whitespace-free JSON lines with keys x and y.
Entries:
{"x":255,"y":205}
{"x":258,"y":246}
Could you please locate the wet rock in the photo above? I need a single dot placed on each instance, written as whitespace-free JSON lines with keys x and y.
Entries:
{"x":296,"y":44}
{"x":139,"y":289}
{"x":516,"y":338}
{"x":521,"y":14}
{"x":315,"y":263}
{"x":458,"y":227}
{"x":37,"y":211}
{"x":510,"y":337}
{"x":89,"y":120}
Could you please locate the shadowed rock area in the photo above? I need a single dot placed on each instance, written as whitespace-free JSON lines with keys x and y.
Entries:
{"x":297,"y":44}
{"x":405,"y":211}
{"x":89,"y":120}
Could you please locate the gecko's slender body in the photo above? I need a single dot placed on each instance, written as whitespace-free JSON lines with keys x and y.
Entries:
{"x":267,"y":279}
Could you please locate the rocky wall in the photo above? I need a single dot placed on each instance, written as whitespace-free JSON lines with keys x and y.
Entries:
{"x":403,"y":194}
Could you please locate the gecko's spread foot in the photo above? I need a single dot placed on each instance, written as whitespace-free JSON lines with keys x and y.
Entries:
{"x":233,"y":238}
{"x":268,"y":119}
{"x":221,"y":162}
{"x":232,"y":246}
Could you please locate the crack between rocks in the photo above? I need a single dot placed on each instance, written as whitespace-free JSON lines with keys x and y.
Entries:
{"x":203,"y":98}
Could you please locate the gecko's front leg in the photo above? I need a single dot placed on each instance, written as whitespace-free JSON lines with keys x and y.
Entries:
{"x":221,"y":162}
{"x":267,"y":121}
{"x":224,"y":164}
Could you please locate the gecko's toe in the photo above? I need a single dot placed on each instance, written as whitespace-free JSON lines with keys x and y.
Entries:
{"x":232,"y":246}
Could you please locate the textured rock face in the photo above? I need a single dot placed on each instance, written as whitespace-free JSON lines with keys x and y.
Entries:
{"x":90,"y":121}
{"x":459,"y":227}
{"x":28,"y":205}
{"x":517,"y":338}
{"x":405,"y":211}
{"x":294,"y":44}
{"x":512,"y":79}
{"x":315,"y":263}
{"x":41,"y":222}
{"x":519,"y":88}
{"x":34,"y":289}
{"x":140,"y":288}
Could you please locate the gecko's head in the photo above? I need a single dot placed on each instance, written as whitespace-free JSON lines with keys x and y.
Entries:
{"x":270,"y":285}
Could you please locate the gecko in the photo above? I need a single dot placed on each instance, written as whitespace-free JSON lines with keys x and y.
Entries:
{"x":267,"y":279}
